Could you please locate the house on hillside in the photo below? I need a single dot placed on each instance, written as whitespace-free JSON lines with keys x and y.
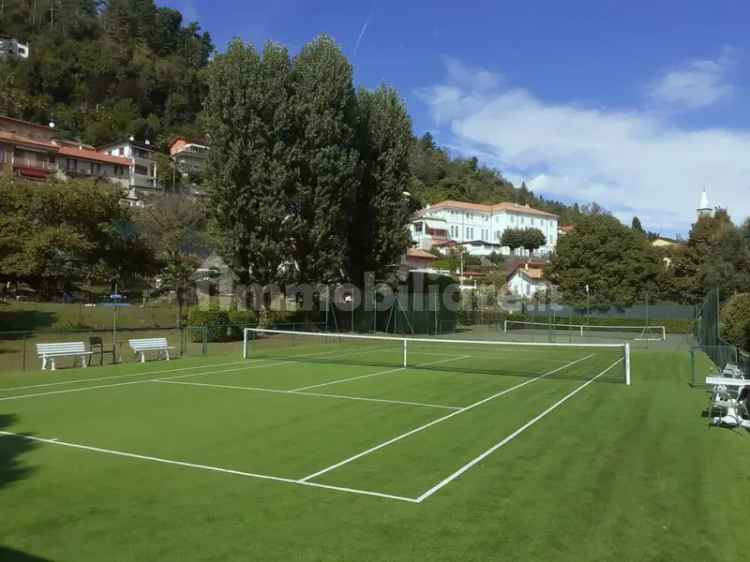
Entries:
{"x":527,"y":279}
{"x":190,"y":159}
{"x":12,"y":48}
{"x":35,"y":152}
{"x":481,"y":226}
{"x":416,"y":259}
{"x":142,"y":165}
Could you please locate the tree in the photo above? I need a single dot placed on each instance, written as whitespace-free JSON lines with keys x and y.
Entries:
{"x":618,"y":265}
{"x":735,"y":319}
{"x":55,"y":235}
{"x":252,"y":174}
{"x":716,"y":255}
{"x":636,"y":225}
{"x":325,"y":159}
{"x":513,"y":238}
{"x":174,"y":227}
{"x":532,"y":239}
{"x":378,"y":236}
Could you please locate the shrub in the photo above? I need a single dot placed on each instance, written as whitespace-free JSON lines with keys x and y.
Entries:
{"x":735,"y":319}
{"x":215,"y":321}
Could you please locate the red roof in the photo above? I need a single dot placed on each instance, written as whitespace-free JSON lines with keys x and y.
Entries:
{"x":417,"y":253}
{"x":85,"y":154}
{"x":7,"y":136}
{"x":498,"y":207}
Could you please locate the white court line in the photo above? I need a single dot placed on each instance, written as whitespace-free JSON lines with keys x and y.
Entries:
{"x":337,"y":381}
{"x":205,"y":467}
{"x":84,"y":388}
{"x":316,"y":394}
{"x":97,"y":379}
{"x":512,"y":436}
{"x":439,"y":420}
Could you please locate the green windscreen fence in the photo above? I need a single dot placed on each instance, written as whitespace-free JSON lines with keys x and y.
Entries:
{"x":712,"y":352}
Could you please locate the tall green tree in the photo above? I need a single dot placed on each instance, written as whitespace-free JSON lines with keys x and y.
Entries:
{"x":251,"y":173}
{"x":378,"y":234}
{"x":325,"y":156}
{"x":619,"y":265}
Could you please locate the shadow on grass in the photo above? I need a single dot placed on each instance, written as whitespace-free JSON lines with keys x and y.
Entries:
{"x":11,"y":555}
{"x":24,"y":321}
{"x":11,"y":449}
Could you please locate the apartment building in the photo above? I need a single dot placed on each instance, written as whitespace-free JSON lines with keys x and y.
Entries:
{"x":33,"y":152}
{"x":479,"y":228}
{"x":189,"y":158}
{"x":142,"y":165}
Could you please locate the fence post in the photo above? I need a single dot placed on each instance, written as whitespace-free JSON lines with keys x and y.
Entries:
{"x":205,"y":340}
{"x":23,"y":368}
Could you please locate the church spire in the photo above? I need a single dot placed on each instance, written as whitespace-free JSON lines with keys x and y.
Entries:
{"x":704,"y":208}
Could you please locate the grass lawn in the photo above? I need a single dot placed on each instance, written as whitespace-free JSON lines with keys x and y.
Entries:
{"x":213,"y":459}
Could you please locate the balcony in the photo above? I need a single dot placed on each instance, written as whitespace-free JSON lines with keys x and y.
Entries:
{"x":33,"y":167}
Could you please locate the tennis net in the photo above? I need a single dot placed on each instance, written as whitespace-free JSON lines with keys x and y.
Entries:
{"x":620,"y":333}
{"x":574,"y":361}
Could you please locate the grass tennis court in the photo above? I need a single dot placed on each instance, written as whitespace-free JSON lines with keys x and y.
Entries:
{"x":338,"y":453}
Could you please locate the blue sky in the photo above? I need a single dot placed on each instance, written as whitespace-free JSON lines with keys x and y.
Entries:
{"x":637,"y":105}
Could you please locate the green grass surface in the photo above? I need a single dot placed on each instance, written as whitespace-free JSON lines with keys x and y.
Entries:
{"x":615,"y":473}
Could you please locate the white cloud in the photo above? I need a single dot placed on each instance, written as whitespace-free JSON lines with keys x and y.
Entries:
{"x":696,"y":84}
{"x":629,"y":161}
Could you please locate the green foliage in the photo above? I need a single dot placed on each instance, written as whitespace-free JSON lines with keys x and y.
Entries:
{"x":326,"y":160}
{"x":56,"y":234}
{"x":378,"y":235}
{"x":128,"y":68}
{"x":735,"y":319}
{"x":717,"y":255}
{"x":214,"y":321}
{"x":533,"y":239}
{"x":530,"y":239}
{"x":636,"y":225}
{"x":617,"y":264}
{"x":438,"y":176}
{"x":250,"y":174}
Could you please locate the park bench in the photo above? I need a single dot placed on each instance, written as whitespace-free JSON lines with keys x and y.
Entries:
{"x":141,"y":346}
{"x":48,"y":352}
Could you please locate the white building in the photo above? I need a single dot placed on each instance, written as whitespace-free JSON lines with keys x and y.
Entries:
{"x":527,"y":280}
{"x":704,"y":207}
{"x":143,"y":166}
{"x":10,"y":47}
{"x":481,"y":227}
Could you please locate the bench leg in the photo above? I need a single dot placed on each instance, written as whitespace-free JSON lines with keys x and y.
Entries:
{"x":143,"y":356}
{"x":166,"y":352}
{"x":52,"y":360}
{"x":83,"y":361}
{"x":44,"y":363}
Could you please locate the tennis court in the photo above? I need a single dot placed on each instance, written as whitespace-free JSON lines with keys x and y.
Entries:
{"x":391,"y":418}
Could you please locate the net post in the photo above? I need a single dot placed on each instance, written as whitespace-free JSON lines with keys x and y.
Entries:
{"x":505,"y":326}
{"x":245,"y":333}
{"x":627,"y":364}
{"x":403,"y":363}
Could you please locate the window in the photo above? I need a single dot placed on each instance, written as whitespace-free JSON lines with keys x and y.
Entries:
{"x":142,"y":170}
{"x":120,"y":151}
{"x":418,"y":227}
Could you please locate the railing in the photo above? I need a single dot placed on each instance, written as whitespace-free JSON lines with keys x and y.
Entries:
{"x":34,"y":163}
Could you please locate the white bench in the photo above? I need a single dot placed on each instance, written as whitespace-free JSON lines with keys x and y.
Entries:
{"x":150,"y":344}
{"x":49,"y":351}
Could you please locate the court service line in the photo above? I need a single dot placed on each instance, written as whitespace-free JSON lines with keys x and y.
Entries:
{"x":439,"y":420}
{"x":98,"y":379}
{"x":314,"y":394}
{"x":455,"y":358}
{"x":100,"y":386}
{"x":204,"y":467}
{"x":512,"y":436}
